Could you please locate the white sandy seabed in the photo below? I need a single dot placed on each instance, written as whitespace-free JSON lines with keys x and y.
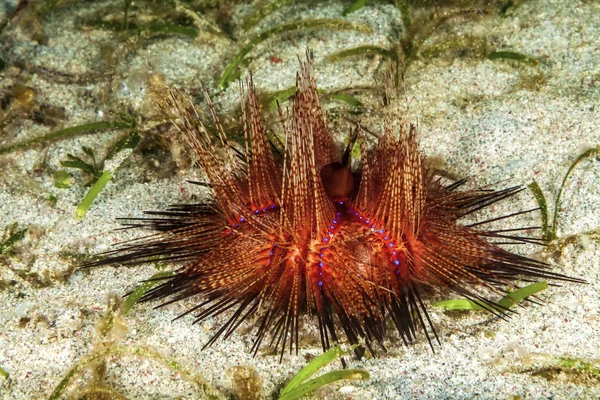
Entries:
{"x":474,"y":113}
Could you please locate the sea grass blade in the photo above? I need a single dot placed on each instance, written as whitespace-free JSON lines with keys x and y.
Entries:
{"x":404,"y":8}
{"x":541,"y":200}
{"x":14,"y":235}
{"x":127,"y":143}
{"x":361,"y":51}
{"x":137,"y":294}
{"x":260,"y":14}
{"x":511,"y":55}
{"x":588,"y":153}
{"x":69,"y":132}
{"x":355,"y":6}
{"x":279,"y":97}
{"x":344,"y":98}
{"x":140,"y":352}
{"x":293,"y":26}
{"x":506,"y":302}
{"x":314,"y":366}
{"x":323,"y":380}
{"x":282,"y":95}
{"x":92,"y":194}
{"x":522,"y":293}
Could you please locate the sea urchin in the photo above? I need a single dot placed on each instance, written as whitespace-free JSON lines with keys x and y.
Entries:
{"x":304,"y":234}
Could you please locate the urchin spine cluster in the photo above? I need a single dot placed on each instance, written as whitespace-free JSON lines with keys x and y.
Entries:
{"x":305,"y":235}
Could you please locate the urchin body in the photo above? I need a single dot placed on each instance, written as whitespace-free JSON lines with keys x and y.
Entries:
{"x":304,"y":235}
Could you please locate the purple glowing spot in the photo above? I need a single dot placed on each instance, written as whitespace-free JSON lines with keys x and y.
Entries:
{"x":255,"y":211}
{"x":320,"y":283}
{"x":321,"y":255}
{"x":272,"y":206}
{"x":270,"y":253}
{"x":326,"y":239}
{"x":264,"y":209}
{"x":236,"y":225}
{"x":360,"y":218}
{"x":341,"y":203}
{"x":320,"y":264}
{"x":393,"y":252}
{"x":355,"y":214}
{"x":367,"y":221}
{"x":334,"y":221}
{"x":380,"y":232}
{"x":391,"y":244}
{"x":385,"y":238}
{"x":396,"y":262}
{"x":242,"y":219}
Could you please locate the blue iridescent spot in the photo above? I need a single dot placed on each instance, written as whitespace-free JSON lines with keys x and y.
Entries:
{"x":272,"y":206}
{"x":380,"y":231}
{"x":242,"y":219}
{"x":270,"y":253}
{"x":341,"y":202}
{"x":367,"y":221}
{"x":255,"y":211}
{"x":320,"y":283}
{"x":321,"y":273}
{"x":396,"y":262}
{"x":393,"y":252}
{"x":397,"y":272}
{"x":334,"y":221}
{"x":355,"y":214}
{"x":264,"y":209}
{"x":326,"y":239}
{"x":320,"y":264}
{"x":391,"y":244}
{"x":331,"y":227}
{"x":236,"y":225}
{"x":372,"y":226}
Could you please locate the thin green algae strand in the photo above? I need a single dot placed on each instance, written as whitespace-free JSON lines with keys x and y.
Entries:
{"x":68,"y":132}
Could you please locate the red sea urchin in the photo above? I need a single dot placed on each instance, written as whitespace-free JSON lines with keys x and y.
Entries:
{"x":306,"y":235}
